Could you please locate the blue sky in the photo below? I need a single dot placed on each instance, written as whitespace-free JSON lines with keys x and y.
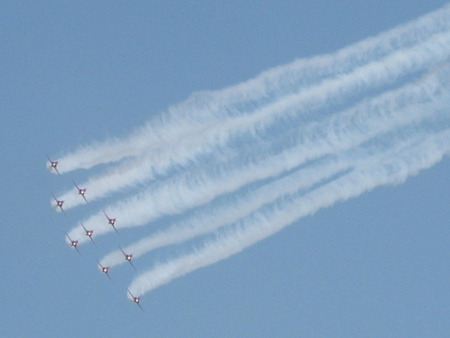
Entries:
{"x":76,"y":72}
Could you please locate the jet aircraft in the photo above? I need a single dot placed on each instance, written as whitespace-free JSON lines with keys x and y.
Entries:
{"x":53,"y":164}
{"x":88,"y":233}
{"x":73,"y":243}
{"x":81,"y":191}
{"x":59,"y":204}
{"x":111,"y":221}
{"x":128,"y":258}
{"x":104,"y":269}
{"x":136,"y":300}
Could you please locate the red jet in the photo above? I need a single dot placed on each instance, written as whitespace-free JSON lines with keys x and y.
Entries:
{"x":136,"y":300}
{"x":81,"y":191}
{"x":105,"y":270}
{"x":73,"y":243}
{"x":128,"y":258}
{"x":59,"y":204}
{"x":89,"y":233}
{"x":111,"y":221}
{"x":53,"y":165}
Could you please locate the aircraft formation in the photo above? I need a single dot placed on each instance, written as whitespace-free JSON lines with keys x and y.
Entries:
{"x":73,"y":243}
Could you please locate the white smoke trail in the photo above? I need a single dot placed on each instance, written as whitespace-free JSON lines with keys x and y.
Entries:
{"x":244,"y":162}
{"x":210,"y":218}
{"x":362,"y":79}
{"x":392,"y":170}
{"x":202,"y":112}
{"x":410,"y":104}
{"x":241,"y":205}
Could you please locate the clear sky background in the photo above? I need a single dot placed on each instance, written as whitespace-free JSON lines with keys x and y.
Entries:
{"x":73,"y":72}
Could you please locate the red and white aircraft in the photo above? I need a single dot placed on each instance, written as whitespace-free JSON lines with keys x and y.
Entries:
{"x":53,"y":164}
{"x":136,"y":300}
{"x":89,"y":233}
{"x":128,"y":258}
{"x":111,"y":221}
{"x":73,"y":243}
{"x":105,"y":270}
{"x":81,"y":191}
{"x":59,"y":204}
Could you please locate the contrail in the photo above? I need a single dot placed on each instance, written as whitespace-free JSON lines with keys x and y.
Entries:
{"x":222,"y":213}
{"x":212,"y":217}
{"x":392,"y":170}
{"x":410,"y":104}
{"x":225,"y":169}
{"x":206,"y":111}
{"x":329,"y":92}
